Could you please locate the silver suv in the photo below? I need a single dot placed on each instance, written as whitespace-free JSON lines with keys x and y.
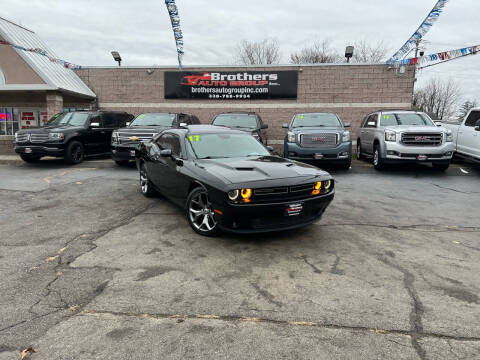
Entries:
{"x":404,"y":136}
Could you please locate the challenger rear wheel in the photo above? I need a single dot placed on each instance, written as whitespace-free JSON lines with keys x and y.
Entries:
{"x":200,"y":214}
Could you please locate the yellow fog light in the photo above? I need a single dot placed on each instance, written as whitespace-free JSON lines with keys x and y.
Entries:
{"x":316,"y":188}
{"x":246,"y":194}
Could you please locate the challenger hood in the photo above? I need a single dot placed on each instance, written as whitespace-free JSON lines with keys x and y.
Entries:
{"x":259,"y":168}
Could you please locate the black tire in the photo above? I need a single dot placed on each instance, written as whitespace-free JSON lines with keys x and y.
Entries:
{"x":30,"y":158}
{"x":378,"y":162}
{"x":358,"y":153}
{"x":146,"y":187}
{"x":75,"y":152}
{"x":121,"y":162}
{"x":441,"y":166}
{"x":200,"y":214}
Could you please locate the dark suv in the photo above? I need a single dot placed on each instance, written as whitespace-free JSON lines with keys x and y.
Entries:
{"x":246,"y":121}
{"x":71,"y":135}
{"x":143,"y":128}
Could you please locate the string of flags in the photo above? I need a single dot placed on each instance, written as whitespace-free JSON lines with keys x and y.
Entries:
{"x":421,"y":31}
{"x":177,"y":31}
{"x":64,"y":63}
{"x":424,"y":61}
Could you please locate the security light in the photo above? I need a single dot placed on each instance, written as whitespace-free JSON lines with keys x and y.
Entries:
{"x":349,"y":53}
{"x":117,"y":57}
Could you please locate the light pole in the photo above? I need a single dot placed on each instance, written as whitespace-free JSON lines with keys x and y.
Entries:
{"x":117,"y":57}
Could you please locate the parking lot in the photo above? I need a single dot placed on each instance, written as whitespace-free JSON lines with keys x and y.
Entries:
{"x":93,"y":270}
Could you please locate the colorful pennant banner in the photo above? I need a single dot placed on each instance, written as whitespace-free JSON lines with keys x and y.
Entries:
{"x":421,"y":31}
{"x":177,"y":31}
{"x":438,"y":57}
{"x":64,"y":63}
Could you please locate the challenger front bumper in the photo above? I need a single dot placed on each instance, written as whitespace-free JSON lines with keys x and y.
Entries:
{"x":269,"y":217}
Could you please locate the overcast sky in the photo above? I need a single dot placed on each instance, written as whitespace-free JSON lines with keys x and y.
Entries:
{"x":84,"y":32}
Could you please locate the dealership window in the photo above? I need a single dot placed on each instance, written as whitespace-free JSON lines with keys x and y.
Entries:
{"x":8,"y":120}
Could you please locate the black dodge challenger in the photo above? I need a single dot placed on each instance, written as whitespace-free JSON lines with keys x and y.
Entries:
{"x":226,"y":180}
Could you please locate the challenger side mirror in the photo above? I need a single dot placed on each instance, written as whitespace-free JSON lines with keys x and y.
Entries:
{"x":166,"y":153}
{"x":94,"y":124}
{"x":264,"y":126}
{"x":285,"y":126}
{"x":347,"y":124}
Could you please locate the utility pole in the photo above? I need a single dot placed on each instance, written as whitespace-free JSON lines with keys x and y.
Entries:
{"x":417,"y":46}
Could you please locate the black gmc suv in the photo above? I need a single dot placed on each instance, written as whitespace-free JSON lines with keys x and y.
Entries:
{"x":249,"y":122}
{"x":143,"y":128}
{"x":71,"y":135}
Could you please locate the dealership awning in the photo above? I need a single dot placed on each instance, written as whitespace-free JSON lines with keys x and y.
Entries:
{"x":55,"y":75}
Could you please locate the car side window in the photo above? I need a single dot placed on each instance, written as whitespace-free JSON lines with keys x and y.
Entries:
{"x":122,"y":120}
{"x":182,"y":118}
{"x":194,"y":119}
{"x":372,"y":119}
{"x":472,"y":118}
{"x":365,"y":121}
{"x":109,"y":121}
{"x":176,"y":149}
{"x":170,"y":141}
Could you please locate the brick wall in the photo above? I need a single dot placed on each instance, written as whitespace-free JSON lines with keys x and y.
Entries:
{"x":6,"y":145}
{"x":351,"y":91}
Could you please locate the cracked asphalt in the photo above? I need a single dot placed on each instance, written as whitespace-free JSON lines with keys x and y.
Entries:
{"x":93,"y":270}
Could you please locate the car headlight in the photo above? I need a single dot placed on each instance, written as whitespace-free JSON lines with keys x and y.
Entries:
{"x":246,"y":194}
{"x":390,"y":135}
{"x":346,"y":136}
{"x":291,"y":137}
{"x":449,"y":136}
{"x":316,"y":188}
{"x":327,"y":185}
{"x":114,"y":137}
{"x":233,"y":194}
{"x":56,"y":136}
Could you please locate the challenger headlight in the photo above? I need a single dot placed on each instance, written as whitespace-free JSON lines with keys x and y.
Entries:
{"x":346,"y":136}
{"x":56,"y":136}
{"x":316,"y":188}
{"x":233,"y":194}
{"x":449,"y":136}
{"x":246,"y":194}
{"x":291,"y":137}
{"x":390,"y":135}
{"x":327,"y":185}
{"x":114,"y":137}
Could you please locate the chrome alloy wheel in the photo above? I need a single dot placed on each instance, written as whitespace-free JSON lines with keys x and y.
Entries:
{"x":201,"y":214}
{"x":375,"y":157}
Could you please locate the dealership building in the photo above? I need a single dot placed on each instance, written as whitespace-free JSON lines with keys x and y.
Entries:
{"x":32,"y":89}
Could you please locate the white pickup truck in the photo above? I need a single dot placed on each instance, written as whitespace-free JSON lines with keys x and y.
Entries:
{"x":466,"y":135}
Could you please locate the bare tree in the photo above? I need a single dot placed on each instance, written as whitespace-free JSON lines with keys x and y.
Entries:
{"x":366,"y":52}
{"x":438,"y":98}
{"x":318,"y":53}
{"x":266,"y":51}
{"x":466,"y":107}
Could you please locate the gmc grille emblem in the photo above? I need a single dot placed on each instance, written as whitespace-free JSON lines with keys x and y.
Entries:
{"x":318,"y":139}
{"x":421,"y":138}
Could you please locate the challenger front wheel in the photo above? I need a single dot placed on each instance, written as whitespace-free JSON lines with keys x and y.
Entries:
{"x":200,"y":214}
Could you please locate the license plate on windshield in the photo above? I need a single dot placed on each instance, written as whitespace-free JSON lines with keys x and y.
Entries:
{"x":294,"y":209}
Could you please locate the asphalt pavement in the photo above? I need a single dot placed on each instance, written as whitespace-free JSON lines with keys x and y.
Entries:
{"x":91,"y":269}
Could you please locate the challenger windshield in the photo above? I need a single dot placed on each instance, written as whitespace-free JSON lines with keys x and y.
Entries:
{"x":69,"y":119}
{"x":316,"y":120}
{"x":165,"y":120}
{"x":236,"y":121}
{"x":214,"y":146}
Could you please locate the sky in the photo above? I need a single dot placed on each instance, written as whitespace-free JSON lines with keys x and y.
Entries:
{"x":84,"y":32}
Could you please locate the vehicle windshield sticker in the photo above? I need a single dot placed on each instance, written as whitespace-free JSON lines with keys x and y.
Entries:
{"x":301,"y":117}
{"x":141,"y":116}
{"x":386,"y":117}
{"x":193,"y":138}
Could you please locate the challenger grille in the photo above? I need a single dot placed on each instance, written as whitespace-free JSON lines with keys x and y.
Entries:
{"x":126,"y":137}
{"x":320,"y":140}
{"x":283,"y":193}
{"x":422,"y":139}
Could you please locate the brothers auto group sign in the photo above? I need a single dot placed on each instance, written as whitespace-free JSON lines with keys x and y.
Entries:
{"x":231,"y":85}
